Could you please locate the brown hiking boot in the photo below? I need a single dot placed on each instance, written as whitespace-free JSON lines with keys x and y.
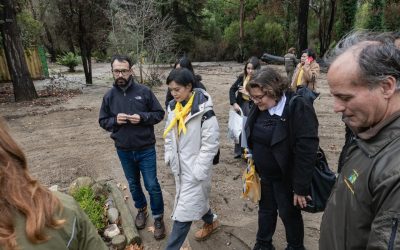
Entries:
{"x":141,"y":217}
{"x":206,"y":231}
{"x":159,"y":228}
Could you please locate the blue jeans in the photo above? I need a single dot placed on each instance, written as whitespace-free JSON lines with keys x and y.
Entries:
{"x":181,"y":229}
{"x":143,"y":161}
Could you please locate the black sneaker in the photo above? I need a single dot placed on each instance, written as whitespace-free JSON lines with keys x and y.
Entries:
{"x":141,"y":218}
{"x":259,"y":246}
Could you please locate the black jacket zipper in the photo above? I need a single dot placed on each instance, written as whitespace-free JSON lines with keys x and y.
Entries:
{"x":395,"y":224}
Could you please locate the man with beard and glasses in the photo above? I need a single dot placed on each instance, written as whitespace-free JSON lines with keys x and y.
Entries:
{"x":129,"y":111}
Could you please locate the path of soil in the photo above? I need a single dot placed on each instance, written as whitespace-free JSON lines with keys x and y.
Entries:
{"x":63,"y":141}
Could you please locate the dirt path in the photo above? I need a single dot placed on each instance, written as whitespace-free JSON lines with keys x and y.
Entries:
{"x":63,"y":141}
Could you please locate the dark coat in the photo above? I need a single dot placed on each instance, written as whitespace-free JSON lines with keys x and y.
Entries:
{"x":296,"y":167}
{"x":236,"y":97}
{"x":363,"y":211}
{"x":136,"y":99}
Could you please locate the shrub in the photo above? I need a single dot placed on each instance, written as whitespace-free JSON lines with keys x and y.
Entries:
{"x":69,"y":60}
{"x":92,"y":207}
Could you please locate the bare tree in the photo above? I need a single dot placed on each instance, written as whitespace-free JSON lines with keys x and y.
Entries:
{"x":141,"y":31}
{"x":85,"y":25}
{"x":24,"y":90}
{"x":302,"y":22}
{"x":325,"y":11}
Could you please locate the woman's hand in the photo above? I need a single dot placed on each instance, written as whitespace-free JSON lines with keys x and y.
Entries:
{"x":243,"y":90}
{"x":236,"y":107}
{"x":301,"y":200}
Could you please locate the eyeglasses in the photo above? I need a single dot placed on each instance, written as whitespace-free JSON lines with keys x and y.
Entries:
{"x":257,"y":98}
{"x":124,"y":72}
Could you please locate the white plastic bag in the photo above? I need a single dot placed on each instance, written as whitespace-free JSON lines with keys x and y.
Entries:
{"x":235,"y":125}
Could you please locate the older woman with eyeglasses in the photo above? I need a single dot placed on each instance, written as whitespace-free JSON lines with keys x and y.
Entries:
{"x":274,"y":134}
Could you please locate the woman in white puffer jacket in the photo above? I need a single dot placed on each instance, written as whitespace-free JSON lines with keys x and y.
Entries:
{"x":191,"y":143}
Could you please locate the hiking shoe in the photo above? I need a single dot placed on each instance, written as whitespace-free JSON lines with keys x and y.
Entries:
{"x":259,"y":246}
{"x":159,"y":228}
{"x":141,"y":217}
{"x":206,"y":230}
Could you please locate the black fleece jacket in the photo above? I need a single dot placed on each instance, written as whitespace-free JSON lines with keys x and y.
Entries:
{"x":135,"y":99}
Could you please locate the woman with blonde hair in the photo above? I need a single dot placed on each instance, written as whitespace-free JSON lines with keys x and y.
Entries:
{"x":32,"y":217}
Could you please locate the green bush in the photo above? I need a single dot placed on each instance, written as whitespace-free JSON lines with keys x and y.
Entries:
{"x":92,"y":207}
{"x":69,"y":60}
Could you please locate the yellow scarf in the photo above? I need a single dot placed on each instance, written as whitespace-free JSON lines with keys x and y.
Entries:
{"x":300,"y":77}
{"x":180,"y":115}
{"x":245,"y":82}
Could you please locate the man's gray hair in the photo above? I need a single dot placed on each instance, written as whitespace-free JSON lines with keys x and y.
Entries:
{"x":378,"y":56}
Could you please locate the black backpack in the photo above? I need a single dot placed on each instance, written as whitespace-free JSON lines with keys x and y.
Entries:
{"x":323,"y":178}
{"x":207,"y":115}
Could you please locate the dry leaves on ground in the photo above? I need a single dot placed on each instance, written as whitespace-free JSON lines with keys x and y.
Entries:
{"x":134,"y":247}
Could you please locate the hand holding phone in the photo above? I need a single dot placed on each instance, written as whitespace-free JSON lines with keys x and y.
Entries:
{"x":310,"y":59}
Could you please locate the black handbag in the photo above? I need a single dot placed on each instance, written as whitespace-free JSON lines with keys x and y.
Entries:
{"x":322,"y":184}
{"x":323,"y":178}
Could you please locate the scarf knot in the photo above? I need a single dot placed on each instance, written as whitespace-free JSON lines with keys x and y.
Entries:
{"x":180,"y":115}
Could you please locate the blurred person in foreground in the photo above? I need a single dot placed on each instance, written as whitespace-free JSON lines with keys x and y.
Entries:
{"x":363,"y":211}
{"x":32,"y":217}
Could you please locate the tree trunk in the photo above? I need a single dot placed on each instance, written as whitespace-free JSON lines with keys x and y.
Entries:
{"x":86,"y":52}
{"x":24,"y":90}
{"x":241,"y":31}
{"x":50,"y":45}
{"x":326,"y":22}
{"x":302,"y":24}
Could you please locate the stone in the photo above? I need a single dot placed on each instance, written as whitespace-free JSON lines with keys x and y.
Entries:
{"x":119,"y":242}
{"x":53,"y":188}
{"x":126,"y":219}
{"x":109,"y":203}
{"x":99,"y":190}
{"x":80,"y":182}
{"x":111,"y":231}
{"x":112,"y":215}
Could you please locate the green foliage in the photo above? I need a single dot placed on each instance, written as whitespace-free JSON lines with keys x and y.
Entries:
{"x":92,"y":207}
{"x":391,"y":16}
{"x":261,"y":36}
{"x":347,"y":13}
{"x":274,"y":39}
{"x":69,"y":60}
{"x":362,"y":16}
{"x":101,"y":56}
{"x":375,"y":21}
{"x":30,"y":29}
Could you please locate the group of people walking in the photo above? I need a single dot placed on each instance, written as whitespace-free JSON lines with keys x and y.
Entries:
{"x":281,"y":132}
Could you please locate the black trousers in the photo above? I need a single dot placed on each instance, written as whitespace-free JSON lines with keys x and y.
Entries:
{"x":276,"y":195}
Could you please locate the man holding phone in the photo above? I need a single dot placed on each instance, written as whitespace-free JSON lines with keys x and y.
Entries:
{"x":129,"y":111}
{"x":306,"y":72}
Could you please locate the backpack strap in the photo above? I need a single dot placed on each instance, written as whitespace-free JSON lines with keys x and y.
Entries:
{"x":207,"y":115}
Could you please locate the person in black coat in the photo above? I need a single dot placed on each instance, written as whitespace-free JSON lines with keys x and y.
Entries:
{"x":284,"y":146}
{"x":238,"y":96}
{"x":184,"y":62}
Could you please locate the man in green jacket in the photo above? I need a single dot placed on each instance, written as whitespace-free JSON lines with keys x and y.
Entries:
{"x":363,"y":211}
